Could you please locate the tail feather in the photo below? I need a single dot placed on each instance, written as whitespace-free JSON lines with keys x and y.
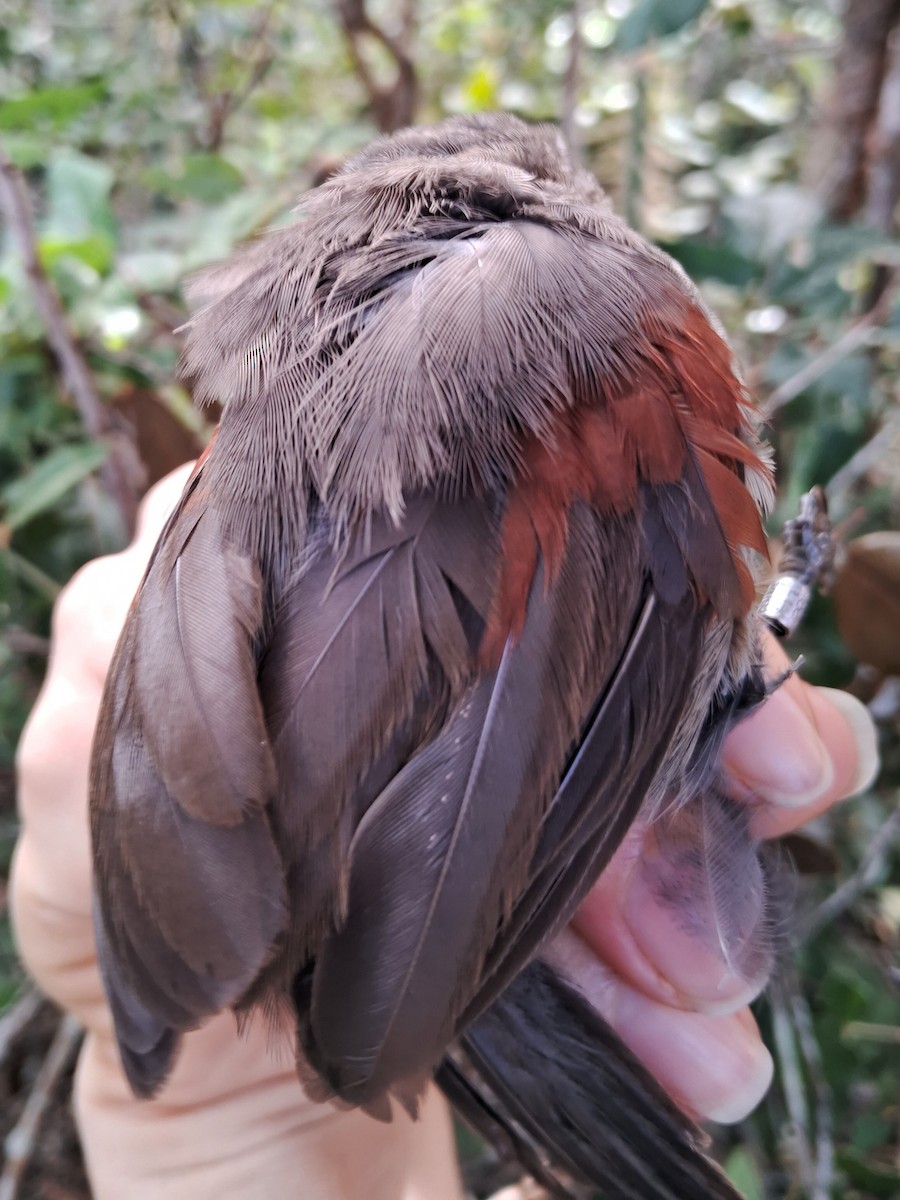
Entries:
{"x":542,"y":1076}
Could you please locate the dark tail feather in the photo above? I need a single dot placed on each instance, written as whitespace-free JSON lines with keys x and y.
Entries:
{"x":543,"y":1077}
{"x":480,"y":1107}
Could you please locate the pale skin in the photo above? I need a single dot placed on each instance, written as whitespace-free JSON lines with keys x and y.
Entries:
{"x":232,"y":1121}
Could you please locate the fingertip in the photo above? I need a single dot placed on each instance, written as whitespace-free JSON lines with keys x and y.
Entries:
{"x":865,"y":760}
{"x":847,"y":732}
{"x":715,"y":1067}
{"x":778,"y":753}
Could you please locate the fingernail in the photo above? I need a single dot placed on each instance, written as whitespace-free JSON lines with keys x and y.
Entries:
{"x":858,"y":718}
{"x":717,"y":1066}
{"x":780,"y":754}
{"x":754,"y":1070}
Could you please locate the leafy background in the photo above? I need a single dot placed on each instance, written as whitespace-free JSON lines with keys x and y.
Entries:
{"x":757,"y":142}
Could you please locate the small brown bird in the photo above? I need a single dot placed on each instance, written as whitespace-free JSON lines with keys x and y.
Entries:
{"x":458,"y":589}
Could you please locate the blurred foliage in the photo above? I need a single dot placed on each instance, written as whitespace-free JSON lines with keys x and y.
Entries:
{"x":156,"y":134}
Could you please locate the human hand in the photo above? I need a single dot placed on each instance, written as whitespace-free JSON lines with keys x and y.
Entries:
{"x":676,"y":999}
{"x":232,"y":1120}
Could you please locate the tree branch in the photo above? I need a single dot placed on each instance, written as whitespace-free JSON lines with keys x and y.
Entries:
{"x":792,"y":1084}
{"x":224,"y":104}
{"x":859,"y":75}
{"x":856,"y":336}
{"x":884,"y":174}
{"x":862,"y":333}
{"x":21,"y":1141}
{"x":17,"y":1018}
{"x":571,"y":89}
{"x":395,"y":105}
{"x":221,"y":104}
{"x":823,"y":1170}
{"x":121,"y":473}
{"x":870,"y":865}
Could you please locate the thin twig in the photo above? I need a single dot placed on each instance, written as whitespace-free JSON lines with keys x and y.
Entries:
{"x":637,"y":139}
{"x":823,"y":1176}
{"x":121,"y":471}
{"x":862,"y":461}
{"x":877,"y":305}
{"x":571,"y":89}
{"x":23,"y":641}
{"x":167,"y":317}
{"x":854,"y":885}
{"x":868,"y":1031}
{"x":792,"y":1084}
{"x":857,"y":335}
{"x":38,"y":579}
{"x":22,"y":1139}
{"x":393,"y":106}
{"x":225,"y":104}
{"x":15,"y":1019}
{"x":884,"y":169}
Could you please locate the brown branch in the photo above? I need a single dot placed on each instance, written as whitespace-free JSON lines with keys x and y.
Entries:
{"x":884,"y":173}
{"x":571,"y":88}
{"x":792,"y":1084}
{"x":21,"y":1141}
{"x":17,"y":1018}
{"x":877,"y":310}
{"x":857,"y":335}
{"x":220,"y":105}
{"x":225,"y":104}
{"x":869,"y":1031}
{"x":885,"y":442}
{"x":868,"y":870}
{"x":394,"y":105}
{"x":121,"y":473}
{"x":24,"y":642}
{"x":859,"y":72}
{"x":823,"y":1172}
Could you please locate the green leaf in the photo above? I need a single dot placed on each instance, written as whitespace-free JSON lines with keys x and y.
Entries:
{"x":97,"y":251}
{"x":877,"y":1182}
{"x":78,"y":189}
{"x":56,"y":106}
{"x":818,"y":286}
{"x":57,"y":473}
{"x":743,"y":1172}
{"x":870,"y":1131}
{"x":705,"y":260}
{"x":655,"y":19}
{"x":204,"y":177}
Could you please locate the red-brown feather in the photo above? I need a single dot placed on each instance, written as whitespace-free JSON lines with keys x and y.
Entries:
{"x":685,"y":399}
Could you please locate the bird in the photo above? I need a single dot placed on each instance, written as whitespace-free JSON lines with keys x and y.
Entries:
{"x":461,"y":587}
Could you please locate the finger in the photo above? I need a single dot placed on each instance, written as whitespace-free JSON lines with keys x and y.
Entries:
{"x":158,"y":504}
{"x":823,"y":744}
{"x":639,"y":932}
{"x":803,"y":750}
{"x":50,"y":880}
{"x":715,"y":1068}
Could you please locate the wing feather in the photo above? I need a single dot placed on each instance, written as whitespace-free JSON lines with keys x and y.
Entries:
{"x":481,"y":813}
{"x":189,"y":882}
